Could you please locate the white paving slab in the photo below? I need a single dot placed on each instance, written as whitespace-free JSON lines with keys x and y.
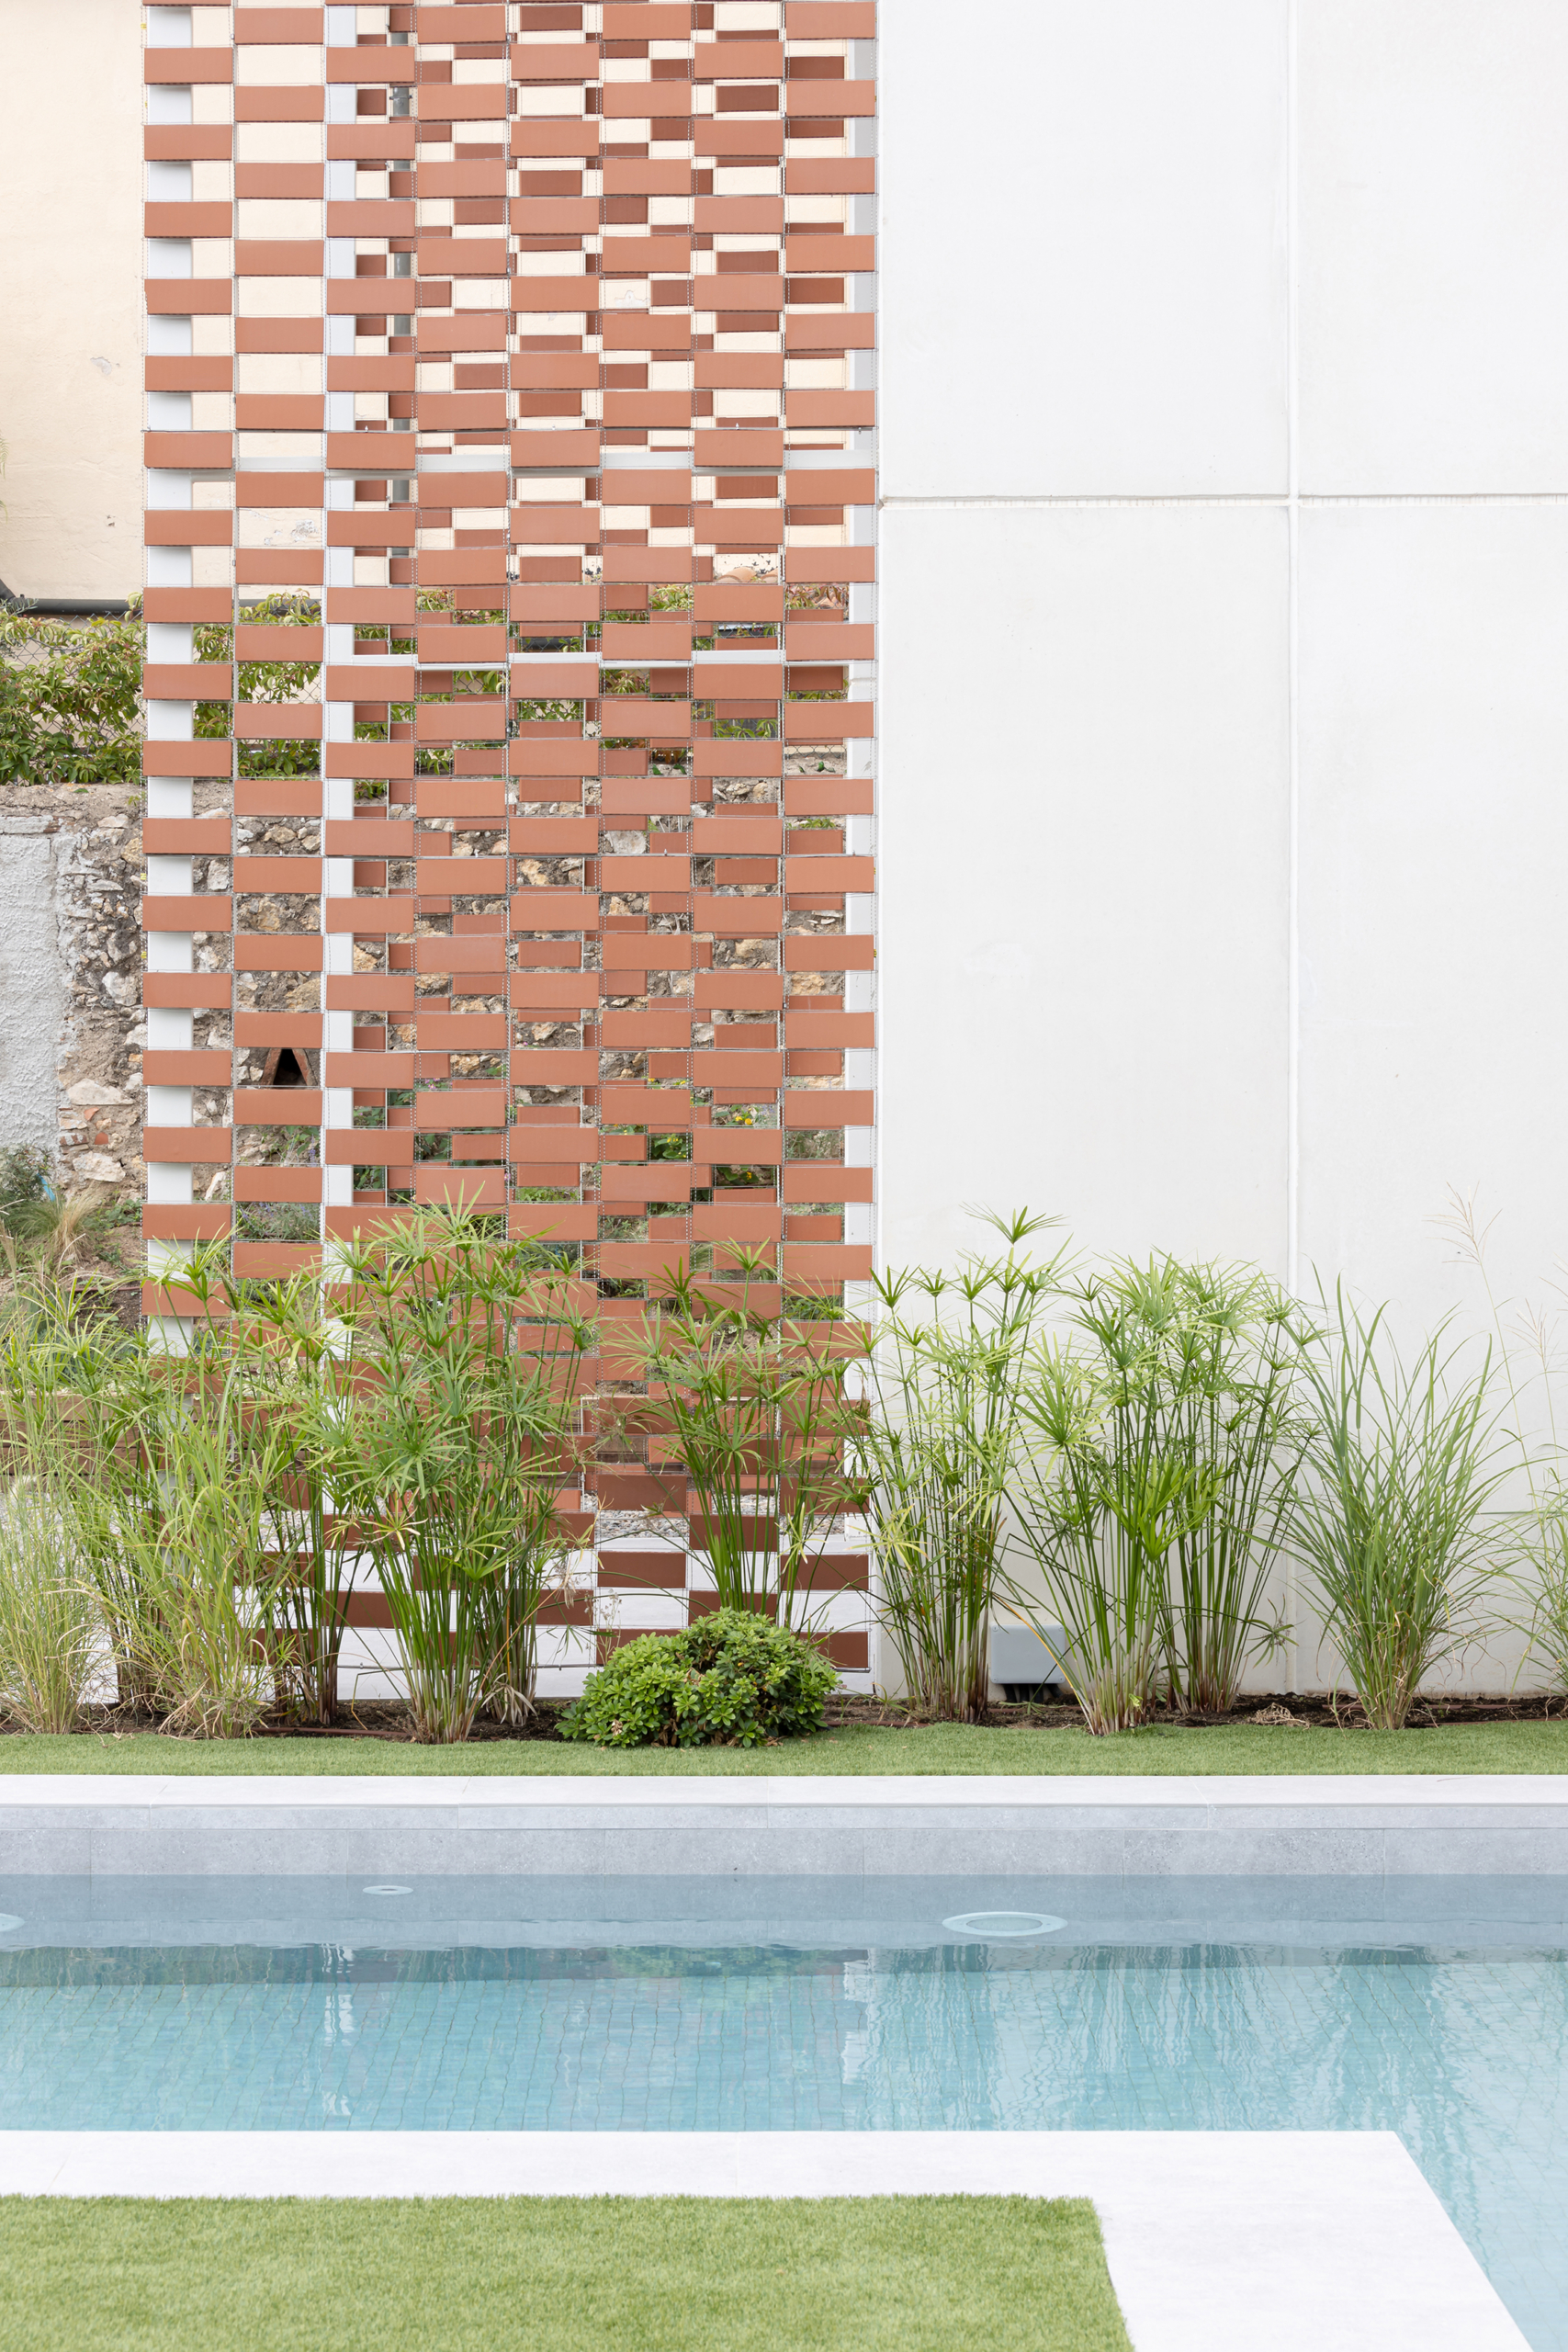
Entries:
{"x":1217,"y":2242}
{"x":1427,"y":1793}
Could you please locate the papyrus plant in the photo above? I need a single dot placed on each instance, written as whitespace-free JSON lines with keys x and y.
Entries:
{"x":745,"y":1416}
{"x":1224,"y":1345}
{"x":451,"y":1450}
{"x":942,"y":1397}
{"x":1100,"y":1504}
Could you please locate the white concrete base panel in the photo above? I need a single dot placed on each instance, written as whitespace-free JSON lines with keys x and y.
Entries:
{"x":1217,"y":2242}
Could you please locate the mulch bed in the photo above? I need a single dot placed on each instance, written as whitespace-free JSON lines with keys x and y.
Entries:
{"x":1328,"y":1711}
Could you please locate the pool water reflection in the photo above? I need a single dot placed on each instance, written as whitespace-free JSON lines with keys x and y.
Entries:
{"x":1435,"y":2008}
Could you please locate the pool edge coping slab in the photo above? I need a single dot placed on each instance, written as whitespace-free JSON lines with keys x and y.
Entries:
{"x":1205,"y":2233}
{"x":1433,"y":1794}
{"x":85,"y":1824}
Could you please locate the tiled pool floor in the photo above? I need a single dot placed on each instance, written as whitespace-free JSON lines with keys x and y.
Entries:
{"x":1280,"y":2005}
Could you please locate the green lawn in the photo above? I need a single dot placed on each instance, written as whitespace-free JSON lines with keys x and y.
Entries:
{"x":898,"y":2274}
{"x":937,"y":1747}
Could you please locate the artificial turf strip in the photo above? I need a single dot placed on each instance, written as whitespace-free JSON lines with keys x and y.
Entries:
{"x":564,"y":2274}
{"x":934,"y":1747}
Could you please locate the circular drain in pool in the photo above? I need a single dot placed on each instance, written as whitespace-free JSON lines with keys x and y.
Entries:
{"x":1004,"y":1923}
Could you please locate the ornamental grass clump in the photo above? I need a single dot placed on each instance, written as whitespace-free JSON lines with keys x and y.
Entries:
{"x":1526,"y":1340}
{"x":733,"y":1679}
{"x":76,"y":1391}
{"x":51,"y":1631}
{"x":151,"y":1471}
{"x":1392,"y":1525}
{"x":290,"y":1355}
{"x":205,"y":1563}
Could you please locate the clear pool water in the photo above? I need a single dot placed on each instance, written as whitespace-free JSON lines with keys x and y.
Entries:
{"x":1435,"y":2008}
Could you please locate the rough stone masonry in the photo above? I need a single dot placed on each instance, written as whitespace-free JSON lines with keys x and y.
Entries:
{"x":71,"y":1021}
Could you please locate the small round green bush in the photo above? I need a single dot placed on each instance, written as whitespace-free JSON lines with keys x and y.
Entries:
{"x":732,"y":1680}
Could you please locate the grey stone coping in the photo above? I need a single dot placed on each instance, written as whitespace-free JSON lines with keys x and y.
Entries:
{"x":86,"y":1824}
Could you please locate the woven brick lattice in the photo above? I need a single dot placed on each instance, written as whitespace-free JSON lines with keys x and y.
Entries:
{"x":510,"y":471}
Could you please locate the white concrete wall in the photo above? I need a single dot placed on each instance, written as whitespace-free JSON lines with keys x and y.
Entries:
{"x":71,"y":297}
{"x":1223,"y":617}
{"x":1224,"y":583}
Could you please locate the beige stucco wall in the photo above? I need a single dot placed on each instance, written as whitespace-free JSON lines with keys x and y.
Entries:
{"x":70,"y":296}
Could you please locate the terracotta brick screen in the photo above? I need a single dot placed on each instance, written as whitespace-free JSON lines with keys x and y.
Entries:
{"x":509,"y":373}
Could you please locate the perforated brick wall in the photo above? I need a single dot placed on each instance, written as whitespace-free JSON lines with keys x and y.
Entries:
{"x":510,"y":376}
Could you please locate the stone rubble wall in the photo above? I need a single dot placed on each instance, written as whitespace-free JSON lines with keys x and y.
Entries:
{"x":71,"y":1029}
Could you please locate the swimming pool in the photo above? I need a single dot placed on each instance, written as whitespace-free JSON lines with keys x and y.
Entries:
{"x":1437,"y":2009}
